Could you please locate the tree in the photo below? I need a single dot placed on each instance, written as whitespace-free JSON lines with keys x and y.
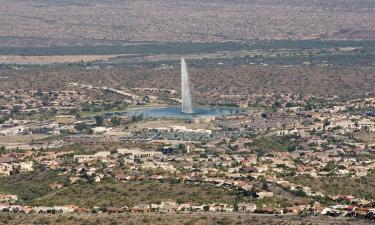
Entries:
{"x":136,"y":118}
{"x":120,"y":161}
{"x":82,"y":126}
{"x":78,"y":116}
{"x":66,"y":182}
{"x":2,"y":150}
{"x":87,"y":107}
{"x":16,"y":109}
{"x":264,"y":185}
{"x":330,"y":167}
{"x":276,"y":105}
{"x":326,"y":123}
{"x":116,"y":121}
{"x":180,"y":148}
{"x":99,"y":120}
{"x":299,"y":193}
{"x":3,"y":119}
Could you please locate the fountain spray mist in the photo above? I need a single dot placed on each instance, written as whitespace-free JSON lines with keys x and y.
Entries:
{"x":185,"y":90}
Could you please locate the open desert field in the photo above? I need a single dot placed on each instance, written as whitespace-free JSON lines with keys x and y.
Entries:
{"x":44,"y":23}
{"x":40,"y":60}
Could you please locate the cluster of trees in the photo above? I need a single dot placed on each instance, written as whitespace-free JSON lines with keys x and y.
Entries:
{"x":100,"y":120}
{"x":114,"y":121}
{"x":2,"y":150}
{"x":3,"y":119}
{"x":107,"y":106}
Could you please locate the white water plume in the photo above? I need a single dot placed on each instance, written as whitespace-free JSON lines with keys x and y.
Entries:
{"x":185,"y":90}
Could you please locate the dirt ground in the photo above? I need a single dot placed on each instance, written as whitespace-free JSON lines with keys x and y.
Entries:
{"x":41,"y":60}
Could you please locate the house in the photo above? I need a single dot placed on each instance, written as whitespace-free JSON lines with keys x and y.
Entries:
{"x":185,"y":207}
{"x":18,"y":209}
{"x":7,"y":160}
{"x":200,"y":120}
{"x":265,"y":194}
{"x":168,"y":206}
{"x":141,"y":208}
{"x":26,"y":166}
{"x":43,"y":209}
{"x":270,"y":210}
{"x":56,"y":186}
{"x":330,"y":212}
{"x":164,"y":207}
{"x":100,"y":130}
{"x":243,"y":185}
{"x":167,"y":150}
{"x":120,"y":175}
{"x":65,"y":209}
{"x":137,"y":152}
{"x":196,"y":208}
{"x":25,"y":209}
{"x":293,"y":209}
{"x":5,"y":169}
{"x":4,"y":207}
{"x":8,"y":198}
{"x":248,"y":169}
{"x":114,"y":210}
{"x":317,"y":209}
{"x":246,"y":207}
{"x":221,"y":208}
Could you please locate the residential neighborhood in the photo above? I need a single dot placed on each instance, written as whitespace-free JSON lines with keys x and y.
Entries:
{"x":257,"y":153}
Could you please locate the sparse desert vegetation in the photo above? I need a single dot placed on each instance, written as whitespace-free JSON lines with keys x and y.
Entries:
{"x":43,"y":23}
{"x":163,"y":219}
{"x":224,"y":80}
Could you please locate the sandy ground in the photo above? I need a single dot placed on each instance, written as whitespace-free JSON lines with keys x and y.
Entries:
{"x":41,"y":60}
{"x":20,"y":141}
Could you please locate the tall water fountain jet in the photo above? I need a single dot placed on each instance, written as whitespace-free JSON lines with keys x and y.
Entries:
{"x":185,"y":90}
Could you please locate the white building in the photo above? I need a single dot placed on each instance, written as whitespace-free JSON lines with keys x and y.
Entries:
{"x":96,"y":156}
{"x":100,"y":130}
